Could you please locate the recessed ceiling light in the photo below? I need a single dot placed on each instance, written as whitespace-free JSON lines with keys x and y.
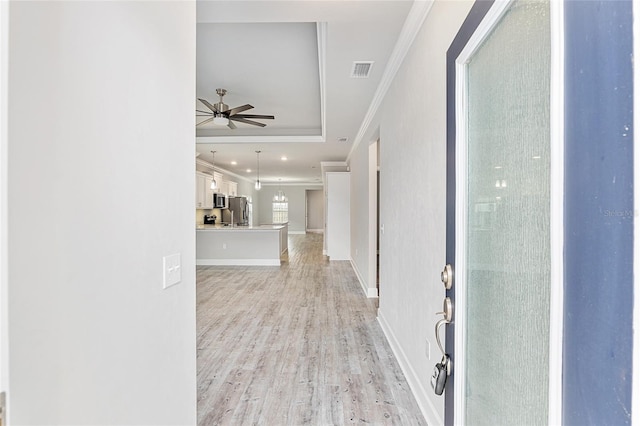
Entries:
{"x":234,"y":163}
{"x":283,"y":158}
{"x":497,"y":167}
{"x":248,"y":170}
{"x":536,"y":157}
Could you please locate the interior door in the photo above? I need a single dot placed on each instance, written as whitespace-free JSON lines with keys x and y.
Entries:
{"x":499,"y":214}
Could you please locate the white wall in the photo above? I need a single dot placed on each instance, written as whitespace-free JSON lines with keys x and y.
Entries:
{"x":297,"y":204}
{"x":95,"y":88}
{"x":413,"y":187}
{"x":338,"y":221}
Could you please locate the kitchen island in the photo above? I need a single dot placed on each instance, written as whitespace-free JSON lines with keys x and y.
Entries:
{"x":241,"y":245}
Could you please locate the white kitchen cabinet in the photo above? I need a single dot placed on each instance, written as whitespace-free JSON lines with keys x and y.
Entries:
{"x":199,"y":191}
{"x":338,"y":215}
{"x":224,"y":188}
{"x":204,"y":193}
{"x":229,"y":188}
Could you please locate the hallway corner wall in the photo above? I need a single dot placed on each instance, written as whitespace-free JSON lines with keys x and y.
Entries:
{"x":100,"y":190}
{"x":360,"y":226}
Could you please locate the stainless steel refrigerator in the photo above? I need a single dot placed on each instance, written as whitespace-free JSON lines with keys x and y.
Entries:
{"x":240,"y":209}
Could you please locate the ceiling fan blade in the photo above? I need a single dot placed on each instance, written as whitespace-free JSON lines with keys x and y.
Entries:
{"x":211,"y":107}
{"x":204,"y":112}
{"x":264,"y":117}
{"x":242,"y":120}
{"x":231,"y":125}
{"x":234,"y":111}
{"x":205,"y":121}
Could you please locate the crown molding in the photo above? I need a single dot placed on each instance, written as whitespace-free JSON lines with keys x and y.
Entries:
{"x":225,"y":172}
{"x":277,"y":184}
{"x":333,"y":164}
{"x":321,"y":31}
{"x":259,"y":139}
{"x":410,"y":29}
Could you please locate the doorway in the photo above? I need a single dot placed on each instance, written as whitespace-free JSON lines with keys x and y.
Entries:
{"x":374,"y":211}
{"x":502,"y":224}
{"x":590,"y":284}
{"x":314,"y":211}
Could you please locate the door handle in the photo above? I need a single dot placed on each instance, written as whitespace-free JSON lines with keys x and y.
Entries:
{"x":438,"y":342}
{"x":447,"y":312}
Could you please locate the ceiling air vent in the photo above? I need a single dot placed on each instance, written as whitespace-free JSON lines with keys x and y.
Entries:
{"x":343,"y":139}
{"x":361,"y":69}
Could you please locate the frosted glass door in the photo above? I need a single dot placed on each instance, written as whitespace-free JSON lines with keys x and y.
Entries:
{"x":506,"y":254}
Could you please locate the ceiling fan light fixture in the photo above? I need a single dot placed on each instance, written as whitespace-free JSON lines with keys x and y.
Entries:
{"x":220,"y":120}
{"x":221,"y":115}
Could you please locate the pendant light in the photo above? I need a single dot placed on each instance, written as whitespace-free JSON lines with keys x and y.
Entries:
{"x":214,"y":184}
{"x":279,"y":197}
{"x":258,"y":184}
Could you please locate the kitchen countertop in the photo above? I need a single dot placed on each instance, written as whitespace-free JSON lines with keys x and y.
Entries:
{"x":240,"y":228}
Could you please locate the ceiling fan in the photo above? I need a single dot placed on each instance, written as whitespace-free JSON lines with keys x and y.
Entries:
{"x":221,"y":114}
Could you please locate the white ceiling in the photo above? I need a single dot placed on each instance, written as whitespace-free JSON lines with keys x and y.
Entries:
{"x":293,"y":60}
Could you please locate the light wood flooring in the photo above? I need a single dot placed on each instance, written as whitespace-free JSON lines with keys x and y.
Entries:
{"x":296,"y":344}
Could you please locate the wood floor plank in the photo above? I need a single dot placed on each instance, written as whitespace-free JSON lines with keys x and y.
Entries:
{"x":294,"y":345}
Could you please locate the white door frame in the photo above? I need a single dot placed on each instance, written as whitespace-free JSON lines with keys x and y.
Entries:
{"x":4,"y":143}
{"x":635,"y":386}
{"x":492,"y":17}
{"x":372,"y":250}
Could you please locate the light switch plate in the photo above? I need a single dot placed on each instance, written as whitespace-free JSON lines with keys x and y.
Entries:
{"x":171,"y":270}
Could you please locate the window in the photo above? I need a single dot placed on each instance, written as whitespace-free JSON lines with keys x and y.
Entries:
{"x":280,"y":212}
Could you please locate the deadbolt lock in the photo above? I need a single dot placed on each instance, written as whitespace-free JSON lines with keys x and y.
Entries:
{"x":446,"y":276}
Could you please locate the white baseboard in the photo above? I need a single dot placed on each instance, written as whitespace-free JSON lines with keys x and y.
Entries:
{"x":296,"y":232}
{"x":237,"y":262}
{"x":315,"y":231}
{"x":371,"y":293}
{"x":419,"y":392}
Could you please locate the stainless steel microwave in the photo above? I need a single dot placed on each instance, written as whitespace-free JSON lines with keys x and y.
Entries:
{"x":219,"y":201}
